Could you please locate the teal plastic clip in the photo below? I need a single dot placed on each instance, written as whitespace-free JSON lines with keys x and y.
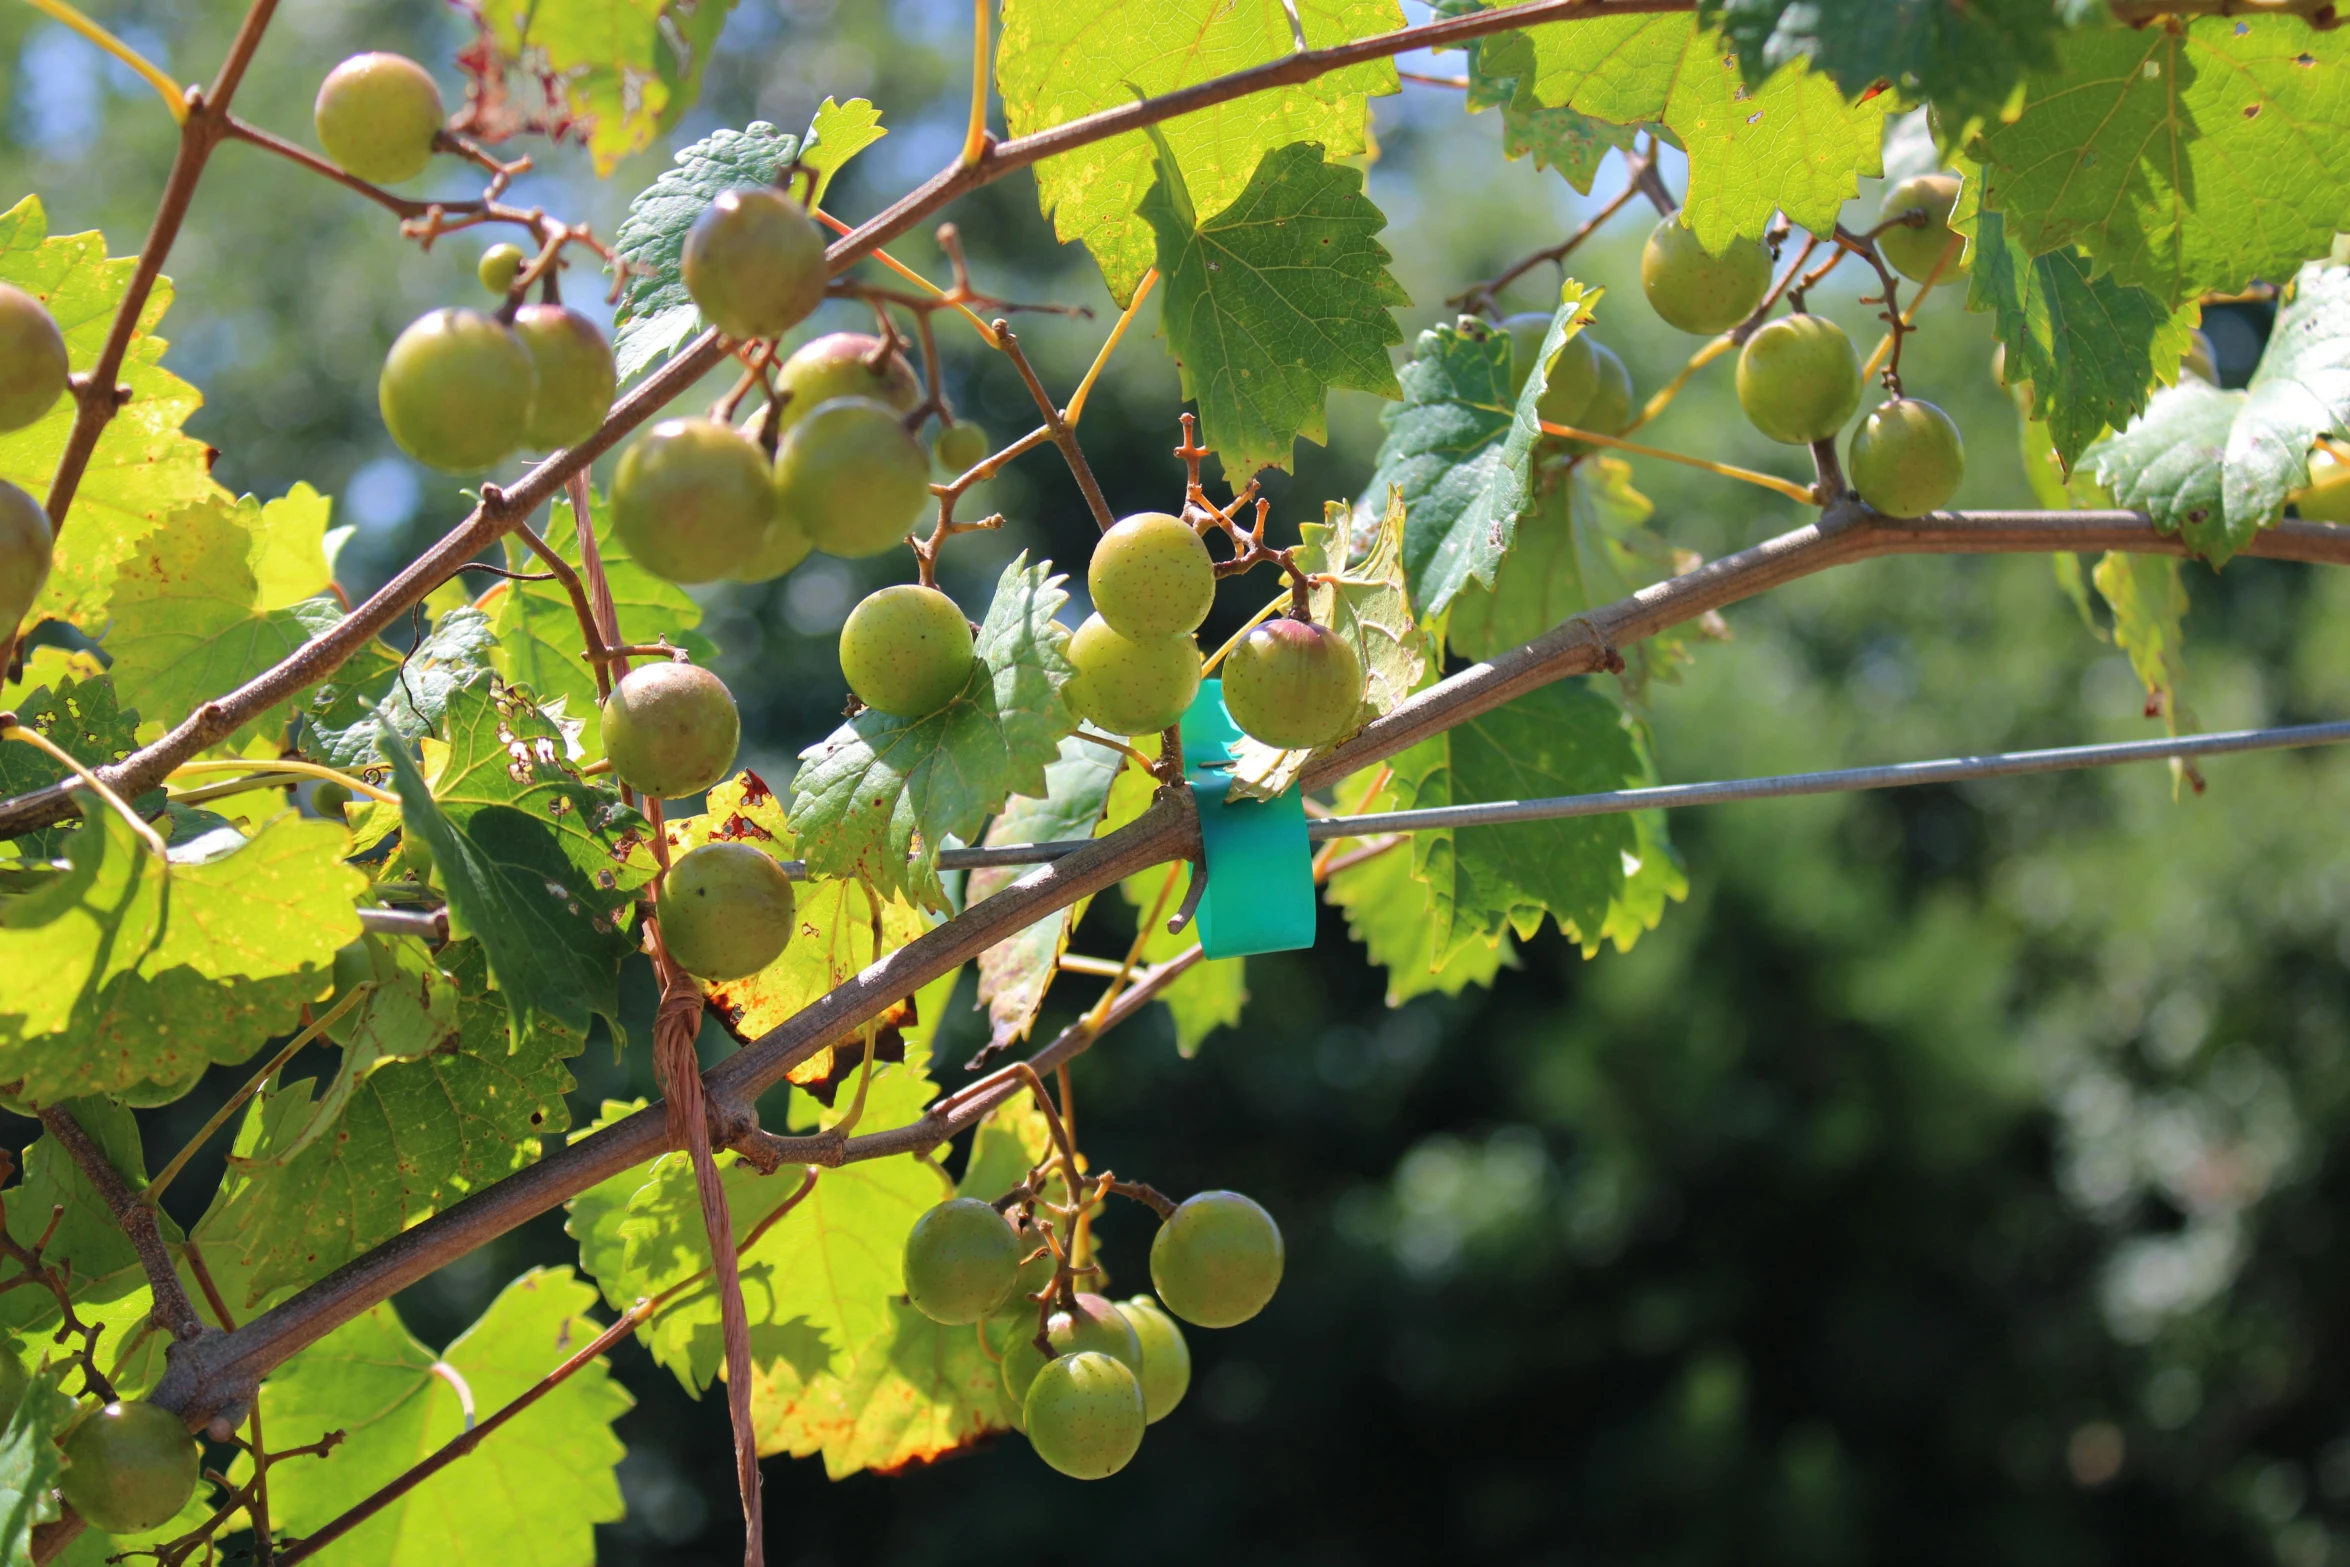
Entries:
{"x":1260,"y":892}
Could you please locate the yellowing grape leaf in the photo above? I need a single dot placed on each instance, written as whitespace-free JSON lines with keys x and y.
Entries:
{"x":1059,"y":60}
{"x":614,"y":73}
{"x":1273,"y":300}
{"x":530,"y":1496}
{"x":144,"y":467}
{"x":2149,"y":605}
{"x":1014,"y":974}
{"x":837,"y":133}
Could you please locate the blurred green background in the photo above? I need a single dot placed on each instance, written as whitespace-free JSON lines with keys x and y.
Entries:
{"x":1947,"y":1181}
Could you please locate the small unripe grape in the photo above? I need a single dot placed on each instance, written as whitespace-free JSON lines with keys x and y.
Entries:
{"x":1610,"y":407}
{"x":33,"y":364}
{"x":851,"y":477}
{"x":377,"y":115}
{"x":784,"y":547}
{"x":1525,"y":330}
{"x":1907,"y":458}
{"x":1152,"y":576}
{"x":1697,"y":291}
{"x":2201,"y":360}
{"x":129,"y":1467}
{"x":576,"y":375}
{"x":1573,"y":381}
{"x":962,"y":1259}
{"x":754,"y":263}
{"x":725,"y":910}
{"x":670,"y":729}
{"x":1166,"y":1358}
{"x":692,"y":500}
{"x":1218,"y":1260}
{"x":1129,"y":687}
{"x":906,"y":650}
{"x":1293,"y":684}
{"x":1095,"y":1325}
{"x":1799,"y":379}
{"x":500,"y":265}
{"x":26,"y":550}
{"x":841,"y":364}
{"x":1085,"y":1416}
{"x":457,"y":391}
{"x":1915,"y":252}
{"x":960,"y":448}
{"x":328,"y":800}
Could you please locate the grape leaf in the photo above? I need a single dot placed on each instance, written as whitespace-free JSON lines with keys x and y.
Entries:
{"x":30,"y":1466}
{"x":2185,"y":159}
{"x":2168,"y":464}
{"x":528,"y":1497}
{"x":2090,"y":347}
{"x":1059,"y":60}
{"x":1390,"y":911}
{"x":1211,"y":993}
{"x":2149,"y":605}
{"x":838,"y":133}
{"x":1791,"y":143}
{"x":1273,"y":301}
{"x":1013,"y":1139}
{"x":1574,"y":144}
{"x":132,"y":971}
{"x":615,"y":72}
{"x":1461,"y":454}
{"x":78,"y":715}
{"x":377,"y":687}
{"x":144,"y":467}
{"x":1363,"y":600}
{"x":1967,"y":55}
{"x":878,"y":798}
{"x":1014,"y":974}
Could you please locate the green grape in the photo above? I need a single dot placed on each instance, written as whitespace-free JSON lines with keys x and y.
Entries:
{"x":129,"y":1467}
{"x":692,"y":500}
{"x":960,"y":448}
{"x":1799,"y":379}
{"x":1293,"y":684}
{"x":1218,"y":1260}
{"x":14,"y":1379}
{"x":1914,"y":253}
{"x":754,"y":263}
{"x":906,"y":650}
{"x":328,"y":800}
{"x":850,"y":477}
{"x":456,"y":391}
{"x":576,"y":375}
{"x":784,"y":547}
{"x":33,"y":364}
{"x":26,"y":549}
{"x":1907,"y":458}
{"x":670,"y":729}
{"x":1573,"y":379}
{"x":1151,"y":576}
{"x":1095,"y":1325}
{"x":2201,"y":359}
{"x":1526,"y":330}
{"x":1697,"y":291}
{"x":1084,"y":1415}
{"x":962,"y":1260}
{"x":377,"y":115}
{"x":725,"y":910}
{"x":1128,"y":687}
{"x":1610,"y":407}
{"x":840,"y":364}
{"x":500,"y":265}
{"x":1166,"y":1358}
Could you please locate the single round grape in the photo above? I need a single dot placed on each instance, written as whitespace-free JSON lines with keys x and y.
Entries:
{"x":1084,"y":1415}
{"x":1696,"y":290}
{"x":962,"y":1260}
{"x":26,"y":550}
{"x":377,"y":115}
{"x":1573,"y":381}
{"x":1151,"y":576}
{"x":851,"y":478}
{"x":576,"y":375}
{"x":1095,"y":1325}
{"x":784,"y":547}
{"x":457,"y":391}
{"x":726,"y":911}
{"x":692,"y":500}
{"x":1610,"y":408}
{"x":1293,"y":684}
{"x":1907,"y":458}
{"x":960,"y":448}
{"x":2201,"y":360}
{"x":754,"y":263}
{"x":906,"y":650}
{"x":1799,"y":379}
{"x":329,"y":798}
{"x":670,"y":729}
{"x":1129,"y":687}
{"x":1915,"y":252}
{"x":499,"y":266}
{"x":129,"y":1467}
{"x":33,"y":364}
{"x":841,"y":364}
{"x":1166,"y":1358}
{"x":1525,"y":330}
{"x":1218,"y":1260}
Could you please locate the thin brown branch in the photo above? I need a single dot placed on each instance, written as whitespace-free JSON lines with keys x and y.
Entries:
{"x":172,"y":1310}
{"x":1057,"y":421}
{"x":1481,"y":298}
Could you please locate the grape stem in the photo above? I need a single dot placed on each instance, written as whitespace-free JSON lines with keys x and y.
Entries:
{"x":59,"y":1283}
{"x":174,"y":96}
{"x":172,"y":1311}
{"x":1483,"y":298}
{"x":1771,"y":482}
{"x":1056,"y":421}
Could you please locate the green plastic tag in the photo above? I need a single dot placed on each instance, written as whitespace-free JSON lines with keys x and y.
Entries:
{"x":1260,"y":893}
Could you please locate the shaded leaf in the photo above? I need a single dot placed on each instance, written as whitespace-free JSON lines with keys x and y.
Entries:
{"x":79,"y":715}
{"x":1967,"y":55}
{"x":378,"y":687}
{"x":2149,"y":605}
{"x":1015,"y":974}
{"x":30,"y":1467}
